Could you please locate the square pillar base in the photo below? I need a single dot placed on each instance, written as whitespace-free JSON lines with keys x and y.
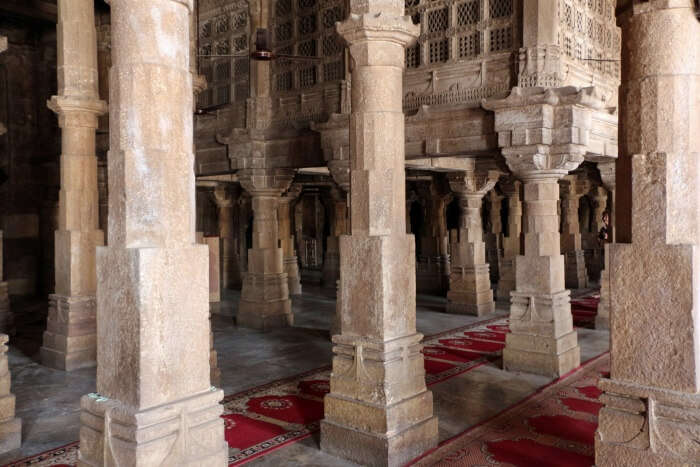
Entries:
{"x":70,"y":339}
{"x":470,"y":291}
{"x":187,"y":432}
{"x":642,"y":425}
{"x":265,"y":302}
{"x":394,"y":448}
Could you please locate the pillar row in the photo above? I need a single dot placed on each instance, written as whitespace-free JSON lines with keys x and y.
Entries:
{"x":571,"y":189}
{"x":225,"y":198}
{"x":652,"y":397}
{"x":543,"y":134}
{"x":69,"y":341}
{"x":470,"y":285}
{"x":286,"y":233}
{"x":602,"y":318}
{"x":494,"y":238}
{"x":511,"y":242}
{"x":154,"y":403}
{"x":265,"y":302}
{"x":378,"y":411}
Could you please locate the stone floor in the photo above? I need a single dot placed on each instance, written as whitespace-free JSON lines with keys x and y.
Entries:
{"x":48,"y":400}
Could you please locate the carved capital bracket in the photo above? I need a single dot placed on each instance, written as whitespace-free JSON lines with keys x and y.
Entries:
{"x":266,"y":182}
{"x":473,"y":183}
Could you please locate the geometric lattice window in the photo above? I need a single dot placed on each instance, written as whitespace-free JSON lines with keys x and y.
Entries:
{"x":331,"y":16}
{"x":222,"y":24}
{"x":413,"y":56}
{"x":240,"y":21}
{"x":283,"y":7}
{"x":307,"y":24}
{"x":241,"y":68}
{"x":223,"y":71}
{"x":283,"y":32}
{"x":411,"y":3}
{"x":500,"y":39}
{"x":333,"y":71}
{"x":306,"y":4}
{"x":500,"y":8}
{"x":307,"y":48}
{"x":240,"y":43}
{"x":332,"y":45}
{"x":468,"y":13}
{"x":223,"y":95}
{"x":469,"y":46}
{"x":438,"y":20}
{"x":438,"y":51}
{"x":307,"y":77}
{"x":284,"y":81}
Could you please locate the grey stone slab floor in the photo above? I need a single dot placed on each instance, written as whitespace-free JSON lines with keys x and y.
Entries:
{"x":48,"y":401}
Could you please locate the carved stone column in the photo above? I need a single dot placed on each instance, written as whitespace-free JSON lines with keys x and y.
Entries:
{"x":511,"y":242}
{"x":652,"y":398}
{"x":225,"y":199}
{"x":265,"y":302}
{"x":5,"y":312}
{"x":10,"y":426}
{"x":331,"y":260}
{"x":543,"y":133}
{"x":378,"y":411}
{"x":571,"y":189}
{"x":470,"y":286}
{"x":602,"y":318}
{"x":291,"y":262}
{"x":69,"y":340}
{"x":154,"y":403}
{"x":433,"y":268}
{"x":494,"y":238}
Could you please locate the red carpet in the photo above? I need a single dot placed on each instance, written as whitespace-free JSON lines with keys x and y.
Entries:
{"x":265,"y":418}
{"x":554,"y":427}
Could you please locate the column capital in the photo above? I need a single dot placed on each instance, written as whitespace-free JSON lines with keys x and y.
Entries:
{"x":262,"y":182}
{"x":473,"y":184}
{"x":607,"y":174}
{"x":365,"y":27}
{"x":222,"y":196}
{"x":545,"y":132}
{"x":79,"y":111}
{"x":292,"y":193}
{"x":573,"y":186}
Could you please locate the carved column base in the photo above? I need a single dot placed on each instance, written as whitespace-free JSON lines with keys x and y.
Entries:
{"x":6,"y":320}
{"x":470,"y":291}
{"x":187,"y":432}
{"x":378,"y":412}
{"x":265,"y":302}
{"x":70,"y":339}
{"x":291,"y":267}
{"x":642,"y":425}
{"x":576,"y":276}
{"x":506,"y":280}
{"x":541,"y":340}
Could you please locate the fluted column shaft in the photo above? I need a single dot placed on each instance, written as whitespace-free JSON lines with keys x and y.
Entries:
{"x":69,"y":341}
{"x":385,"y":416}
{"x":652,"y":397}
{"x":153,"y":307}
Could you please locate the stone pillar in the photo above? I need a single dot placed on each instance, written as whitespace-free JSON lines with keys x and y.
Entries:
{"x":470,"y":286}
{"x":10,"y":427}
{"x":602,"y":318}
{"x":265,"y":302}
{"x":652,"y":398}
{"x":154,"y":403}
{"x":230,"y":269}
{"x":543,"y":133}
{"x":378,"y":412}
{"x":5,"y":312}
{"x":69,"y":340}
{"x":494,"y":238}
{"x":572,"y":188}
{"x":511,"y":242}
{"x":433,"y":268}
{"x":291,"y":262}
{"x":331,"y":260}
